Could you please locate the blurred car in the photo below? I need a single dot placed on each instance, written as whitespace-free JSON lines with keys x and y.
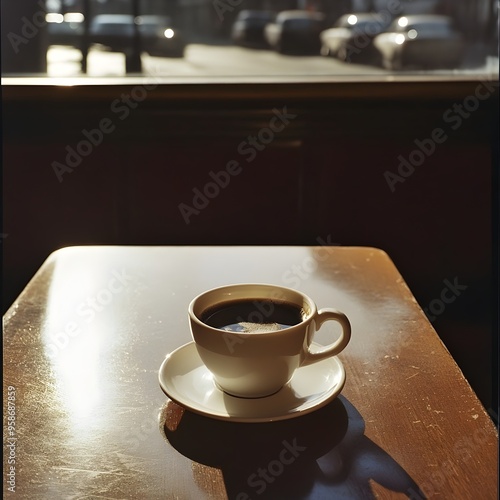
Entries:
{"x":115,"y":32}
{"x":67,"y":29}
{"x":295,"y":31}
{"x":421,"y":42}
{"x":248,"y":28}
{"x":351,"y":38}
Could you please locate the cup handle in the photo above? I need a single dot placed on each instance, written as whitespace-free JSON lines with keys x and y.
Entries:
{"x":337,"y":346}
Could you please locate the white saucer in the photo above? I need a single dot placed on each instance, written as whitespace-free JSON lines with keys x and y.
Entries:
{"x":185,"y":379}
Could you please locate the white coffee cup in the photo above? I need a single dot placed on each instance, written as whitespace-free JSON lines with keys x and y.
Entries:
{"x":260,"y":363}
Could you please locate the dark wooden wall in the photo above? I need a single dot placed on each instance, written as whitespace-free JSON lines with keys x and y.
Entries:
{"x":322,"y":179}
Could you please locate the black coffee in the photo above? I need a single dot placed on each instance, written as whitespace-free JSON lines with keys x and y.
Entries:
{"x":253,"y":316}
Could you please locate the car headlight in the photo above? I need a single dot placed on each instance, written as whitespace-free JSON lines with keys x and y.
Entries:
{"x":74,"y":17}
{"x":412,"y":34}
{"x":53,"y":17}
{"x":400,"y":39}
{"x":169,"y":33}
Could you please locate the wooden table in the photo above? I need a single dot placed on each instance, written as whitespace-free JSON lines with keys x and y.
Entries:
{"x":83,"y":344}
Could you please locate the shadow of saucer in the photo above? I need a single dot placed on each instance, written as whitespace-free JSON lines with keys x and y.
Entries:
{"x":324,"y":453}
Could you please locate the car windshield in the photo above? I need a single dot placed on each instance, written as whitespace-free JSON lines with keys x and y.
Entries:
{"x":246,"y":15}
{"x":229,"y":38}
{"x":431,"y":28}
{"x":361,"y":21}
{"x":438,"y":25}
{"x":298,"y":23}
{"x":370,"y":26}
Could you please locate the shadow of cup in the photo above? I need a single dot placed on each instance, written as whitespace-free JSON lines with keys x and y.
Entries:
{"x":275,"y":458}
{"x":324,"y":453}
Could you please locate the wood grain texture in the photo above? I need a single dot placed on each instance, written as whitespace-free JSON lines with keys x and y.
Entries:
{"x":84,"y":341}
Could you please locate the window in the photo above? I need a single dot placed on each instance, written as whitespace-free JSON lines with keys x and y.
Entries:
{"x":245,"y":38}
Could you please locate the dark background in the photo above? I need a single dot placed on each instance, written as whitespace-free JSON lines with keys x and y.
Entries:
{"x":322,"y":177}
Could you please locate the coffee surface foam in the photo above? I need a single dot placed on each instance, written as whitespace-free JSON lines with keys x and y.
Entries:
{"x":245,"y":327}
